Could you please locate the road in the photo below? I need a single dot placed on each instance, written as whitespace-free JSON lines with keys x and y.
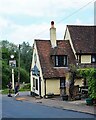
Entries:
{"x":0,"y":106}
{"x":12,"y":108}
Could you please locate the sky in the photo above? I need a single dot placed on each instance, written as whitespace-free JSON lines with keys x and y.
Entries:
{"x":26,"y":20}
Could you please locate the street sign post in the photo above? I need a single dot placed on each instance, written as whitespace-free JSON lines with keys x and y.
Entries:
{"x":12,"y":63}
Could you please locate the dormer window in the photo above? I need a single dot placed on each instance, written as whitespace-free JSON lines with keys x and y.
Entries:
{"x":93,"y":59}
{"x":61,"y":61}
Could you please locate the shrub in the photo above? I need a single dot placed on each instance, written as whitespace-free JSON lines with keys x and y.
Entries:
{"x":26,"y":87}
{"x":90,"y":75}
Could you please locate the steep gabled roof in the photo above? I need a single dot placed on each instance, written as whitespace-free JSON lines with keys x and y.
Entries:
{"x":45,"y":51}
{"x":83,"y":38}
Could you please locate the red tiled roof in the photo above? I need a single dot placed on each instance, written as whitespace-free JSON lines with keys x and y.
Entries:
{"x":45,"y":51}
{"x":83,"y":38}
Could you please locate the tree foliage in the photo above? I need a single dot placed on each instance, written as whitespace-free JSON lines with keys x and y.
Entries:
{"x":73,"y":73}
{"x":8,"y":49}
{"x":26,"y":55}
{"x":90,"y":75}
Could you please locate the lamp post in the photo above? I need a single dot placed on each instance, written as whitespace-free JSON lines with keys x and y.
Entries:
{"x":12,"y":63}
{"x":19,"y":64}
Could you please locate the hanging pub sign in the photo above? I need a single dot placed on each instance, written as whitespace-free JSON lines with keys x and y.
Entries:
{"x":35,"y":71}
{"x":12,"y":63}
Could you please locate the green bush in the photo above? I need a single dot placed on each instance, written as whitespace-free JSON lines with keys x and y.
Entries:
{"x":6,"y":74}
{"x":26,"y":87}
{"x":24,"y":76}
{"x":90,"y":75}
{"x":25,"y":61}
{"x":92,"y":83}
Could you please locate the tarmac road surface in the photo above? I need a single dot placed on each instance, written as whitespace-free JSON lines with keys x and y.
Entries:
{"x":11,"y":108}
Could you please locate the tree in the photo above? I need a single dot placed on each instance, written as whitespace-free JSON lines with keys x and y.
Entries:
{"x":25,"y":61}
{"x":24,"y":75}
{"x":73,"y":72}
{"x":26,"y":56}
{"x":6,"y":74}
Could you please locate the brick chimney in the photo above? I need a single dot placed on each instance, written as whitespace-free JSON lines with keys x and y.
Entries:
{"x":53,"y":35}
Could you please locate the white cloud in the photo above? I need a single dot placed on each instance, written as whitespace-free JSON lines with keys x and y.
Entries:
{"x":78,"y":21}
{"x":20,"y":33}
{"x":39,"y":7}
{"x":3,"y":23}
{"x":55,"y":9}
{"x":28,"y":33}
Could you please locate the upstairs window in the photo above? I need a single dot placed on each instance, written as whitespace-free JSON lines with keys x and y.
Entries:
{"x":61,"y":61}
{"x":93,"y":59}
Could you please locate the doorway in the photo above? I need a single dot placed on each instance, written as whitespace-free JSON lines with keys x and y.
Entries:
{"x":62,"y":86}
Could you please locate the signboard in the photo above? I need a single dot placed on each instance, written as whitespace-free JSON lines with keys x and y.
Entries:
{"x":12,"y":63}
{"x":35,"y":71}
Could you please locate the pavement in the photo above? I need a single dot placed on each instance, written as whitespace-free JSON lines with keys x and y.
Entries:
{"x":57,"y":102}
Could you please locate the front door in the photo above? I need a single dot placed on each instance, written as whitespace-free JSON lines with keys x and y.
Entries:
{"x":62,"y":86}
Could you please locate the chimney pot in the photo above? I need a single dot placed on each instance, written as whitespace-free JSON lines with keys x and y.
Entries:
{"x":52,"y":23}
{"x":53,"y":35}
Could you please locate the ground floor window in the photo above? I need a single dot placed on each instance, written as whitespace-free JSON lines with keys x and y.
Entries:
{"x":93,"y":59}
{"x":35,"y":83}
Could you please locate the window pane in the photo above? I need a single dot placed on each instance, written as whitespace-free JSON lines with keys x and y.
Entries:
{"x":33,"y":82}
{"x":61,"y":60}
{"x":62,"y":82}
{"x":56,"y":60}
{"x":93,"y":59}
{"x":36,"y":84}
{"x":64,"y":60}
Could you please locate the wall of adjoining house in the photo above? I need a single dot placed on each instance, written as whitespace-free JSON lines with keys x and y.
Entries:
{"x":78,"y":82}
{"x":68,"y":37}
{"x":53,"y":86}
{"x":42,"y":88}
